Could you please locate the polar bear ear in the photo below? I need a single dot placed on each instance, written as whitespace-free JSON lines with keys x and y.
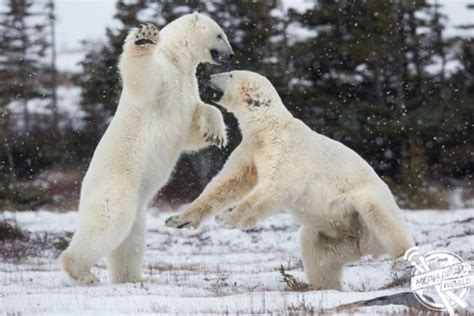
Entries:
{"x":196,"y":15}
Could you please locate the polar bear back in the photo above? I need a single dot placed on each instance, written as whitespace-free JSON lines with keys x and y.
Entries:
{"x":320,"y":154}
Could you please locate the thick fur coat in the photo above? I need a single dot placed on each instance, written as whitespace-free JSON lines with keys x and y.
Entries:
{"x":345,"y":209}
{"x":160,"y":115}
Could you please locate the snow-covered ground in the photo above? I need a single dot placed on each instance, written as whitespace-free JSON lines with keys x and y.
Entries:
{"x":214,"y":270}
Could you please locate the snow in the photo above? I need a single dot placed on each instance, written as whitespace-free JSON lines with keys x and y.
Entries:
{"x":297,"y":33}
{"x":451,"y":66}
{"x":299,"y":6}
{"x":214,"y":269}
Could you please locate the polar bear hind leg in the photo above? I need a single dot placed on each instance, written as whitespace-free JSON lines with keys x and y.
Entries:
{"x":384,"y":220}
{"x":125,"y":262}
{"x":324,"y":257}
{"x":103,"y":227}
{"x":78,"y":265}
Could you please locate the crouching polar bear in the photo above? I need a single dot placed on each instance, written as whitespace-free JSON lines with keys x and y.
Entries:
{"x":345,"y":209}
{"x":159,"y":115}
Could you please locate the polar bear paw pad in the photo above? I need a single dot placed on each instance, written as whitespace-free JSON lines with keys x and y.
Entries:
{"x":147,"y":34}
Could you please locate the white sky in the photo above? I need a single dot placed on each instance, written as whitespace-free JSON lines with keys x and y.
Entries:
{"x":82,"y":19}
{"x":87,"y":19}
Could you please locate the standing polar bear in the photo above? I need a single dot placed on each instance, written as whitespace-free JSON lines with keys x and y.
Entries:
{"x":159,"y":116}
{"x":345,"y":209}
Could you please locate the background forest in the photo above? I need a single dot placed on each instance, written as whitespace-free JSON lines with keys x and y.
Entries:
{"x":379,"y":76}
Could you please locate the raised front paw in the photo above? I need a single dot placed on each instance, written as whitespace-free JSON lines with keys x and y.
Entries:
{"x":146,"y":35}
{"x":182,"y":221}
{"x":213,"y":128}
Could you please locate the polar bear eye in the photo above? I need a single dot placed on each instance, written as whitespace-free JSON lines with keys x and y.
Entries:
{"x":219,"y":36}
{"x":230,"y":75}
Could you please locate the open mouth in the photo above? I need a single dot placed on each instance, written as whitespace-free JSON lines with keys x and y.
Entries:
{"x":219,"y":57}
{"x":216,"y":56}
{"x":217,"y":92}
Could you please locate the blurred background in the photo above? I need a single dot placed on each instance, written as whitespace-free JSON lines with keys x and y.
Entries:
{"x":394,"y":80}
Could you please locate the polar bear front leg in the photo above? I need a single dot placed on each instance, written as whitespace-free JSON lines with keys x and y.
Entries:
{"x":208,"y":128}
{"x":141,"y":41}
{"x":255,"y":206}
{"x":223,"y":190}
{"x":136,"y":61}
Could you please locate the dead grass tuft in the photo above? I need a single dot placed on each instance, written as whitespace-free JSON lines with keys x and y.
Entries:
{"x":292,"y":283}
{"x":20,"y":245}
{"x":9,"y":231}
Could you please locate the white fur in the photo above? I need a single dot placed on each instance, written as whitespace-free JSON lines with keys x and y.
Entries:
{"x":159,"y":116}
{"x":345,"y":209}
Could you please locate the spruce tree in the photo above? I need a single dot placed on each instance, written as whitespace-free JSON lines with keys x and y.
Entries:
{"x":24,"y":68}
{"x":359,"y":69}
{"x":25,"y":43}
{"x":364,"y":78}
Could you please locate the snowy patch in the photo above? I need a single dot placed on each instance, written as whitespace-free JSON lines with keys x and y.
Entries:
{"x":216,"y":270}
{"x":297,"y":33}
{"x":299,"y":6}
{"x":436,"y":66}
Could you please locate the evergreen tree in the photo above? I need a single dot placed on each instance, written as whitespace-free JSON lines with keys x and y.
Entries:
{"x":367,"y":68}
{"x":365,"y":78}
{"x":25,"y":45}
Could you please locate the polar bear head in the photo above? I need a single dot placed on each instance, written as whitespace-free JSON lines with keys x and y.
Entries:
{"x":246,"y":92}
{"x":199,"y":36}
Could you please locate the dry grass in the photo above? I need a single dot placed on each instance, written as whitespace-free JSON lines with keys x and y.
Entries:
{"x":467,"y":197}
{"x":64,"y":188}
{"x":10,"y":231}
{"x":18,"y":245}
{"x":51,"y":189}
{"x":292,"y":283}
{"x":59,"y":190}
